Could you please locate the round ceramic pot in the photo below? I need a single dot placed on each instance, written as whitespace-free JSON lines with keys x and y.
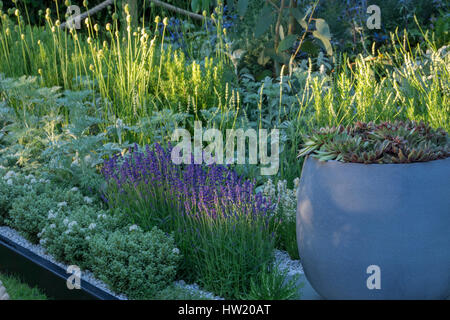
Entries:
{"x":377,"y":231}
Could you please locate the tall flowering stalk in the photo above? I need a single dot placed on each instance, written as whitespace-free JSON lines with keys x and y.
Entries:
{"x":222,"y":226}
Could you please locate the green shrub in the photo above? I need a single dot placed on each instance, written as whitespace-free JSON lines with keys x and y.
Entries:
{"x":29,"y":213}
{"x":66,"y":235}
{"x":134,"y":262}
{"x":11,"y":186}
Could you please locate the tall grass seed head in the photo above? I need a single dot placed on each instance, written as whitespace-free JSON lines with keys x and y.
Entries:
{"x":96,"y":28}
{"x":115,"y":16}
{"x":108,"y":27}
{"x":157,"y":19}
{"x":128,"y":19}
{"x":85,"y":3}
{"x":166,"y":21}
{"x":17,"y":12}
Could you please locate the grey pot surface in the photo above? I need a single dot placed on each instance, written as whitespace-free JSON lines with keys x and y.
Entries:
{"x":392,"y":216}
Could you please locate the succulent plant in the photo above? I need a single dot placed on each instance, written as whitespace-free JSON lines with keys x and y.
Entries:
{"x":386,"y":142}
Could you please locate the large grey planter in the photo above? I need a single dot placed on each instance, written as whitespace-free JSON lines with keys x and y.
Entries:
{"x":395,"y":216}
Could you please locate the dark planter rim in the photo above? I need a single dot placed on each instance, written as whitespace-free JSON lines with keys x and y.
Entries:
{"x":371,"y":164}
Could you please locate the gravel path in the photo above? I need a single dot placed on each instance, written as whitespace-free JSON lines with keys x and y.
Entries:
{"x":285,"y":262}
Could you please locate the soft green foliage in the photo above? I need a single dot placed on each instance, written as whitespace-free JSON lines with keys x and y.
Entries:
{"x":397,"y":142}
{"x":67,"y":234}
{"x":17,"y":290}
{"x":12,"y":186}
{"x":273,"y":283}
{"x":139,"y":264}
{"x":58,"y":131}
{"x":29,"y":212}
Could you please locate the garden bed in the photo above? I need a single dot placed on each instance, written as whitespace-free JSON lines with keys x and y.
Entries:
{"x":39,"y":268}
{"x":96,"y":127}
{"x":18,"y":256}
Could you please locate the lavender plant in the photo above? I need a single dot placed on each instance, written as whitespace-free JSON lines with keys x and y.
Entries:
{"x":397,"y":142}
{"x":221,"y":225}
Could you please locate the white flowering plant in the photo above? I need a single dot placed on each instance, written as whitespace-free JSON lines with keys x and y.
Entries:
{"x":29,"y":211}
{"x":67,"y":233}
{"x":13,"y":184}
{"x":285,"y":208}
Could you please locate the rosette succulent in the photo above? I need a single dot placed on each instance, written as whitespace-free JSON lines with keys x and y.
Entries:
{"x":386,"y":142}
